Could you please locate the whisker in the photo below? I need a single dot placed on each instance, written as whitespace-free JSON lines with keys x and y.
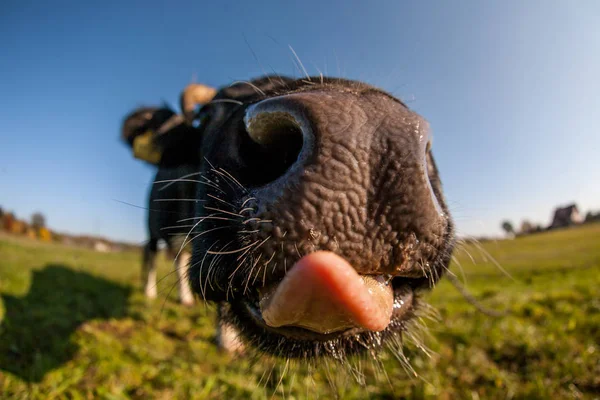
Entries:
{"x":247,"y":200}
{"x":188,"y":235}
{"x":213,"y":263}
{"x":204,"y":232}
{"x":250,"y":220}
{"x":297,"y":251}
{"x":202,"y":289}
{"x":462,"y":271}
{"x":239,"y":103}
{"x":493,"y":260}
{"x":231,"y":251}
{"x":462,"y":246}
{"x":319,"y":71}
{"x":247,"y":280}
{"x":474,"y":302}
{"x":146,"y":208}
{"x":256,"y":58}
{"x":171,"y":181}
{"x":162,"y":308}
{"x":256,"y":88}
{"x":223,"y":211}
{"x":213,"y":185}
{"x":182,"y":200}
{"x":211,"y":217}
{"x":287,"y":364}
{"x":175,"y":227}
{"x":253,"y":266}
{"x":232,"y":178}
{"x":206,"y":182}
{"x":163,"y":278}
{"x":300,"y":62}
{"x":242,"y":255}
{"x":221,"y":200}
{"x":241,"y":262}
{"x":337,"y":62}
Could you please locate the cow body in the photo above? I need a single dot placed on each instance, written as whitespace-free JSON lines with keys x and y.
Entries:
{"x":171,"y":202}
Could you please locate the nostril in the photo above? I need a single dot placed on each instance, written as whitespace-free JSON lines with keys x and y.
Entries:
{"x":273,"y":129}
{"x":277,"y":138}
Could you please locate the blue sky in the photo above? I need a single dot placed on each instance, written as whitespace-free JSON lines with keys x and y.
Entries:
{"x":511,"y":91}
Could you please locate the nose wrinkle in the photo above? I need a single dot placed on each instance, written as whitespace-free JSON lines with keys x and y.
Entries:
{"x":326,"y":193}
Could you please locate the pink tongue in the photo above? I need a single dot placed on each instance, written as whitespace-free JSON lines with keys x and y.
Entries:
{"x":323,"y":293}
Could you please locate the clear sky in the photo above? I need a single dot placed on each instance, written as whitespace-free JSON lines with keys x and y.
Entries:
{"x":511,"y":90}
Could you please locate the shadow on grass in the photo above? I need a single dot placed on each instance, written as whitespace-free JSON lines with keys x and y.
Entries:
{"x":35,"y":331}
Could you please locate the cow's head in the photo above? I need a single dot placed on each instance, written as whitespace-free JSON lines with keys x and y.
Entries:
{"x":142,"y":120}
{"x":160,"y":136}
{"x":321,"y":214}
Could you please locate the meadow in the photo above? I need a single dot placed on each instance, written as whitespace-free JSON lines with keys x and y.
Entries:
{"x":74,"y":324}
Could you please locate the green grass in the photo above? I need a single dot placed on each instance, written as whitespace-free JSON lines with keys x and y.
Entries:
{"x":74,"y":324}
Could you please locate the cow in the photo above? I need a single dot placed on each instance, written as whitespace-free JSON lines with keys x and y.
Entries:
{"x":319,"y":214}
{"x":162,"y":138}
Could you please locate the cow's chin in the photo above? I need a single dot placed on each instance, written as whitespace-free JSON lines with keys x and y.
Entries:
{"x":292,"y":341}
{"x":297,"y":342}
{"x":404,"y":302}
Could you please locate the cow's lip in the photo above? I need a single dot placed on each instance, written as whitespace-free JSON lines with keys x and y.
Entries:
{"x":404,"y":296}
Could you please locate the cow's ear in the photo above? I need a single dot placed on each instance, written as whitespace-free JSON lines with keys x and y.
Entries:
{"x":193,"y":96}
{"x":140,"y":129}
{"x":142,"y":120}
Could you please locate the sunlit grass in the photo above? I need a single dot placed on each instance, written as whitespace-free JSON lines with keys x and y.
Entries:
{"x":74,"y":324}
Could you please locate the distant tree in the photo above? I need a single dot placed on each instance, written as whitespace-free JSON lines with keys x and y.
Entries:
{"x":8,"y":220}
{"x":45,"y":234}
{"x":588,"y":217}
{"x":591,"y":217}
{"x":38,"y":221}
{"x":526,"y":227}
{"x":507,"y":226}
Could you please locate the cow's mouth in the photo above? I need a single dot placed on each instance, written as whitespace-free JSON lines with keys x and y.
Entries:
{"x":323,"y":298}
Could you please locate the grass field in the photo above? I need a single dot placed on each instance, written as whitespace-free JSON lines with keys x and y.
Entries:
{"x":73,"y":324}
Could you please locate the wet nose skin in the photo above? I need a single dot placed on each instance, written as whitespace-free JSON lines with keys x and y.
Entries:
{"x":358,"y":184}
{"x":348,"y":121}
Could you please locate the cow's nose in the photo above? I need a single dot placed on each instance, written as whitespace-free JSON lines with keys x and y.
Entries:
{"x":282,"y":130}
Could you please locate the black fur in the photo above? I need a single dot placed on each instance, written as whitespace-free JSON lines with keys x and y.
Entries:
{"x":238,"y":168}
